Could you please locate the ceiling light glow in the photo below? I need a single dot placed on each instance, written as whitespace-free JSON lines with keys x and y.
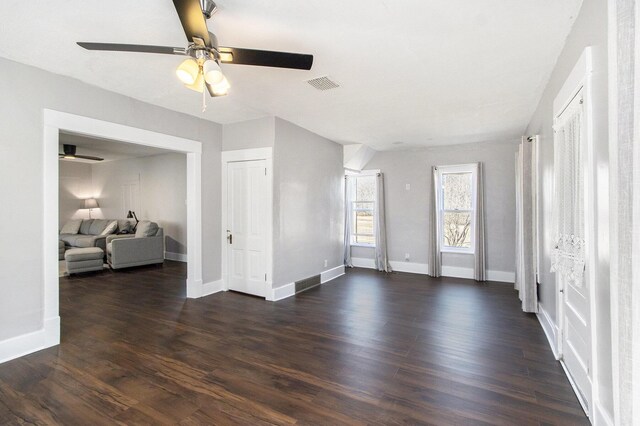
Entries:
{"x":188,"y":71}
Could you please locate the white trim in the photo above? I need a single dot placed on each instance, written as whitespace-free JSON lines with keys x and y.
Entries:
{"x":282,"y":292}
{"x":410,"y":267}
{"x":576,"y":390}
{"x":331,"y":274}
{"x":53,"y":122}
{"x":178,"y":257}
{"x":249,"y":155}
{"x":356,"y":173}
{"x":601,"y":416}
{"x":212,"y":287}
{"x":550,"y":330}
{"x":447,"y":271}
{"x":47,"y":336}
{"x":580,"y":80}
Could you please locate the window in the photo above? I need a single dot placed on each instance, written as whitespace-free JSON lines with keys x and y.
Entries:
{"x":457,"y":207}
{"x":363,"y":209}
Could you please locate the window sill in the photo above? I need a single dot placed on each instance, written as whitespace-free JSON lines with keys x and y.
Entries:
{"x":458,"y":251}
{"x":363,"y":245}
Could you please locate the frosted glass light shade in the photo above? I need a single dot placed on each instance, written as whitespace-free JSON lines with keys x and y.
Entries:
{"x":197,"y":85}
{"x":91,"y":203}
{"x":212,"y":72}
{"x":188,"y":71}
{"x":222,"y":87}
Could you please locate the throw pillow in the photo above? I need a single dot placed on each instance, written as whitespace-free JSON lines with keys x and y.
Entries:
{"x":86,"y":225}
{"x":98,"y":226}
{"x":111,"y":228}
{"x":71,"y":227}
{"x":146,"y":229}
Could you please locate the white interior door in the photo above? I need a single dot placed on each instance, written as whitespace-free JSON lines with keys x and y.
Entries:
{"x":575,"y":326}
{"x":246,"y":227}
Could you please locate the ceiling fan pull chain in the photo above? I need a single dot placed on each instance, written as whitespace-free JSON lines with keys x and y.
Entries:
{"x":204,"y":100}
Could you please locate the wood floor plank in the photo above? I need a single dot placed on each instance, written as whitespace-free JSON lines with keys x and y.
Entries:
{"x":365,"y":348}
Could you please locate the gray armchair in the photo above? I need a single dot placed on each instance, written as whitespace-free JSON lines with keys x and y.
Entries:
{"x":145,"y":247}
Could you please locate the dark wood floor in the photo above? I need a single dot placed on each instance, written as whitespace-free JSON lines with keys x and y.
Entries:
{"x":367,"y":348}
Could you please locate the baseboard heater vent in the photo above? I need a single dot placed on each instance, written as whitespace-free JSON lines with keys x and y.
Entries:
{"x":307,"y":283}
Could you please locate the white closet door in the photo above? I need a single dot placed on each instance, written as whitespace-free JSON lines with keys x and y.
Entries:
{"x":246,"y":227}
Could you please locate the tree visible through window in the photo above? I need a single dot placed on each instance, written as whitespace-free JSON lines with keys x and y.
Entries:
{"x":363,"y":209}
{"x":457,"y":207}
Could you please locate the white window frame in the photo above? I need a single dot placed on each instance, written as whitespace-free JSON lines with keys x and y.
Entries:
{"x":352,"y":210}
{"x":459,"y":168}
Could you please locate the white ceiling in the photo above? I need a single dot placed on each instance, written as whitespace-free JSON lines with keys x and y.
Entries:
{"x":105,"y":148}
{"x":412,"y":71}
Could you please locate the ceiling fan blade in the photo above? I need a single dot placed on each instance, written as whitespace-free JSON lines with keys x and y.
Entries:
{"x":265,"y":58}
{"x":192,"y":20}
{"x":89,"y":157}
{"x":133,"y":48}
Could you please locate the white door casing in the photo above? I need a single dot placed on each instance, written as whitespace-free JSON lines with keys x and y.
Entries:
{"x":577,"y":339}
{"x":246,"y":230}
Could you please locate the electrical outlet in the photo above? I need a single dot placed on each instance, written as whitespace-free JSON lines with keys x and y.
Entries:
{"x":326,"y":263}
{"x":407,"y":257}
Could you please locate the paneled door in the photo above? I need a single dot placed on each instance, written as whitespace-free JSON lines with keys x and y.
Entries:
{"x":574,"y":220}
{"x":246,"y":227}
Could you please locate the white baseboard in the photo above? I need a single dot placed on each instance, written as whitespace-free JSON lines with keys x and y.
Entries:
{"x":289,"y":290}
{"x":331,"y":274}
{"x":178,"y":257}
{"x":47,"y":336}
{"x":601,"y":417}
{"x":281,"y":292}
{"x":447,"y":271}
{"x":550,"y":329}
{"x":212,"y":287}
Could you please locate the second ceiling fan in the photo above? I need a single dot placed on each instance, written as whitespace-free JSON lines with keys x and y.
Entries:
{"x":202,"y":69}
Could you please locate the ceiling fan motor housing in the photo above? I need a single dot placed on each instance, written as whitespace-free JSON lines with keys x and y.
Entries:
{"x":208,"y":8}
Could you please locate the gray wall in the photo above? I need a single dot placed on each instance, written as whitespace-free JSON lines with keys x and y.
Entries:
{"x":248,"y":134}
{"x":26,"y":91}
{"x":74,"y":186}
{"x":308,"y":203}
{"x":589,"y":29}
{"x":163,"y":193}
{"x":408,"y":211}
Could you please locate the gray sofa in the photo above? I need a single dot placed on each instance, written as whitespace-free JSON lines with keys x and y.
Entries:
{"x":89,"y":235}
{"x":145,"y":247}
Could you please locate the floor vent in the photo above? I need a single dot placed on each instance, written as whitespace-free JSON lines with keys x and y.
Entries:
{"x":323,"y":83}
{"x":307,"y":283}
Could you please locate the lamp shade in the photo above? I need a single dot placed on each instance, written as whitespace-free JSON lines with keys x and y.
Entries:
{"x":91,"y":203}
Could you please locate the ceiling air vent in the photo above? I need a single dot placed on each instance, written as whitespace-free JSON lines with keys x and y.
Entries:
{"x":323,"y":83}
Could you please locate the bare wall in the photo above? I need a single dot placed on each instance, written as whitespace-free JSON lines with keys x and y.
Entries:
{"x":26,"y":91}
{"x":308,"y":203}
{"x":408,"y":210}
{"x":73,"y":187}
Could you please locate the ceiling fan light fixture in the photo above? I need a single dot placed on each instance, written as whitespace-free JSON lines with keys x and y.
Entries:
{"x":197,"y":85}
{"x":222,"y":87}
{"x":188,"y":71}
{"x":212,"y":72}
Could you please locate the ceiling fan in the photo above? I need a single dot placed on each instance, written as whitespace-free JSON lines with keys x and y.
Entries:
{"x":202,"y":69}
{"x":69,"y":153}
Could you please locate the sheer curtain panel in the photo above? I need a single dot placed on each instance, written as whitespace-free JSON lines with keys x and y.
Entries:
{"x":525,"y":260}
{"x":479,"y":268}
{"x":624,"y":156}
{"x":435,"y":258}
{"x":382,"y":260}
{"x":348,"y":200}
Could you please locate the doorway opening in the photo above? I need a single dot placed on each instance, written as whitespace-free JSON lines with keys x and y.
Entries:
{"x":55,"y":123}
